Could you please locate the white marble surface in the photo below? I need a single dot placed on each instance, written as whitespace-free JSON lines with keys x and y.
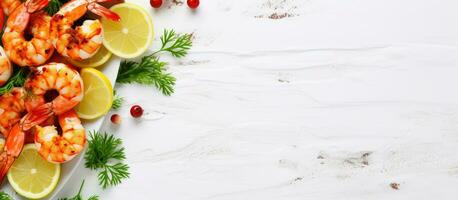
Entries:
{"x":335,"y":101}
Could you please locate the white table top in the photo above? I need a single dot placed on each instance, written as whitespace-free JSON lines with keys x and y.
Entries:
{"x":336,"y":100}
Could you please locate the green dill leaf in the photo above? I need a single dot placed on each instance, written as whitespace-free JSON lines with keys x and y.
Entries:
{"x":112,"y":175}
{"x":17,"y":80}
{"x":95,"y":197}
{"x":54,"y":6}
{"x":176,"y":44}
{"x":117,"y":102}
{"x":149,"y":71}
{"x":78,"y":195}
{"x":104,"y":150}
{"x":5,"y":196}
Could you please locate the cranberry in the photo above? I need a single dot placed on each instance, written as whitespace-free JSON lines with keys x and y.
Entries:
{"x":136,"y":111}
{"x":193,"y":3}
{"x":155,"y":3}
{"x":115,"y":119}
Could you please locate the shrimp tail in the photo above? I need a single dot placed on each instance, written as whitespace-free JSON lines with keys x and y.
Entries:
{"x":35,"y":5}
{"x":5,"y":163}
{"x":13,"y":147}
{"x":37,"y":116}
{"x":102,"y":11}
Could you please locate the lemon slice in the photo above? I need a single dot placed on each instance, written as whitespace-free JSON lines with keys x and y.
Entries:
{"x":31,"y":176}
{"x":131,"y":36}
{"x":100,"y":58}
{"x":98,"y":94}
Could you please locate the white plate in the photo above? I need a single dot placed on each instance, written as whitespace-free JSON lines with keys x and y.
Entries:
{"x":67,"y":169}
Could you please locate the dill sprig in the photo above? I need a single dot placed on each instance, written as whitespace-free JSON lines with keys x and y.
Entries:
{"x":150,"y":70}
{"x":54,"y":6}
{"x":117,"y":102}
{"x":17,"y":80}
{"x":78,"y":196}
{"x":176,"y":44}
{"x":5,"y":196}
{"x":105,"y":154}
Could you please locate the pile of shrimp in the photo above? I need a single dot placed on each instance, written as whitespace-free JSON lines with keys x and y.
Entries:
{"x":27,"y":113}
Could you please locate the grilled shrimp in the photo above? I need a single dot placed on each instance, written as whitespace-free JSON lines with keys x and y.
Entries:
{"x":12,"y":145}
{"x":15,"y":130}
{"x":5,"y":67}
{"x":58,"y":77}
{"x":85,"y":40}
{"x":8,"y":6}
{"x":60,"y":148}
{"x":28,"y":16}
{"x":12,"y":109}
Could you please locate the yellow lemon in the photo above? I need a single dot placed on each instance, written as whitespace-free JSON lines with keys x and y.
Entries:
{"x":131,"y":36}
{"x":98,"y":94}
{"x":31,"y":176}
{"x":100,"y":58}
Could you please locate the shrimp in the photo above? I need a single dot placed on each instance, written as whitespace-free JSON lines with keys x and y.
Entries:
{"x":8,"y":6}
{"x":84,"y":41}
{"x":57,"y":148}
{"x":12,"y":109}
{"x":5,"y":67}
{"x":12,"y":148}
{"x":68,"y":83}
{"x":53,"y":77}
{"x":28,"y":17}
{"x":13,"y":144}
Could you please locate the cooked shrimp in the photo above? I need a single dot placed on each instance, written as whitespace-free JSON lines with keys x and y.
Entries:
{"x":13,"y":144}
{"x":21,"y":51}
{"x":9,"y":5}
{"x":59,"y":148}
{"x":5,"y":67}
{"x":58,"y":77}
{"x":12,"y":109}
{"x":84,"y":41}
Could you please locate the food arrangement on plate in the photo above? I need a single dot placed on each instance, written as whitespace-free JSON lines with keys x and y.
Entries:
{"x":49,"y":85}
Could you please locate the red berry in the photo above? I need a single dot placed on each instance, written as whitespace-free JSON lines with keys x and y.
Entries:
{"x":155,"y":3}
{"x":115,"y":119}
{"x":193,"y":3}
{"x":136,"y":111}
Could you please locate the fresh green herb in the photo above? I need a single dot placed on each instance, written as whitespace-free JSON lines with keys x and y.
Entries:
{"x":150,"y":70}
{"x":78,"y":196}
{"x":117,"y":102}
{"x":4,"y":196}
{"x":105,"y":154}
{"x":17,"y":80}
{"x":54,"y":6}
{"x":178,"y":45}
